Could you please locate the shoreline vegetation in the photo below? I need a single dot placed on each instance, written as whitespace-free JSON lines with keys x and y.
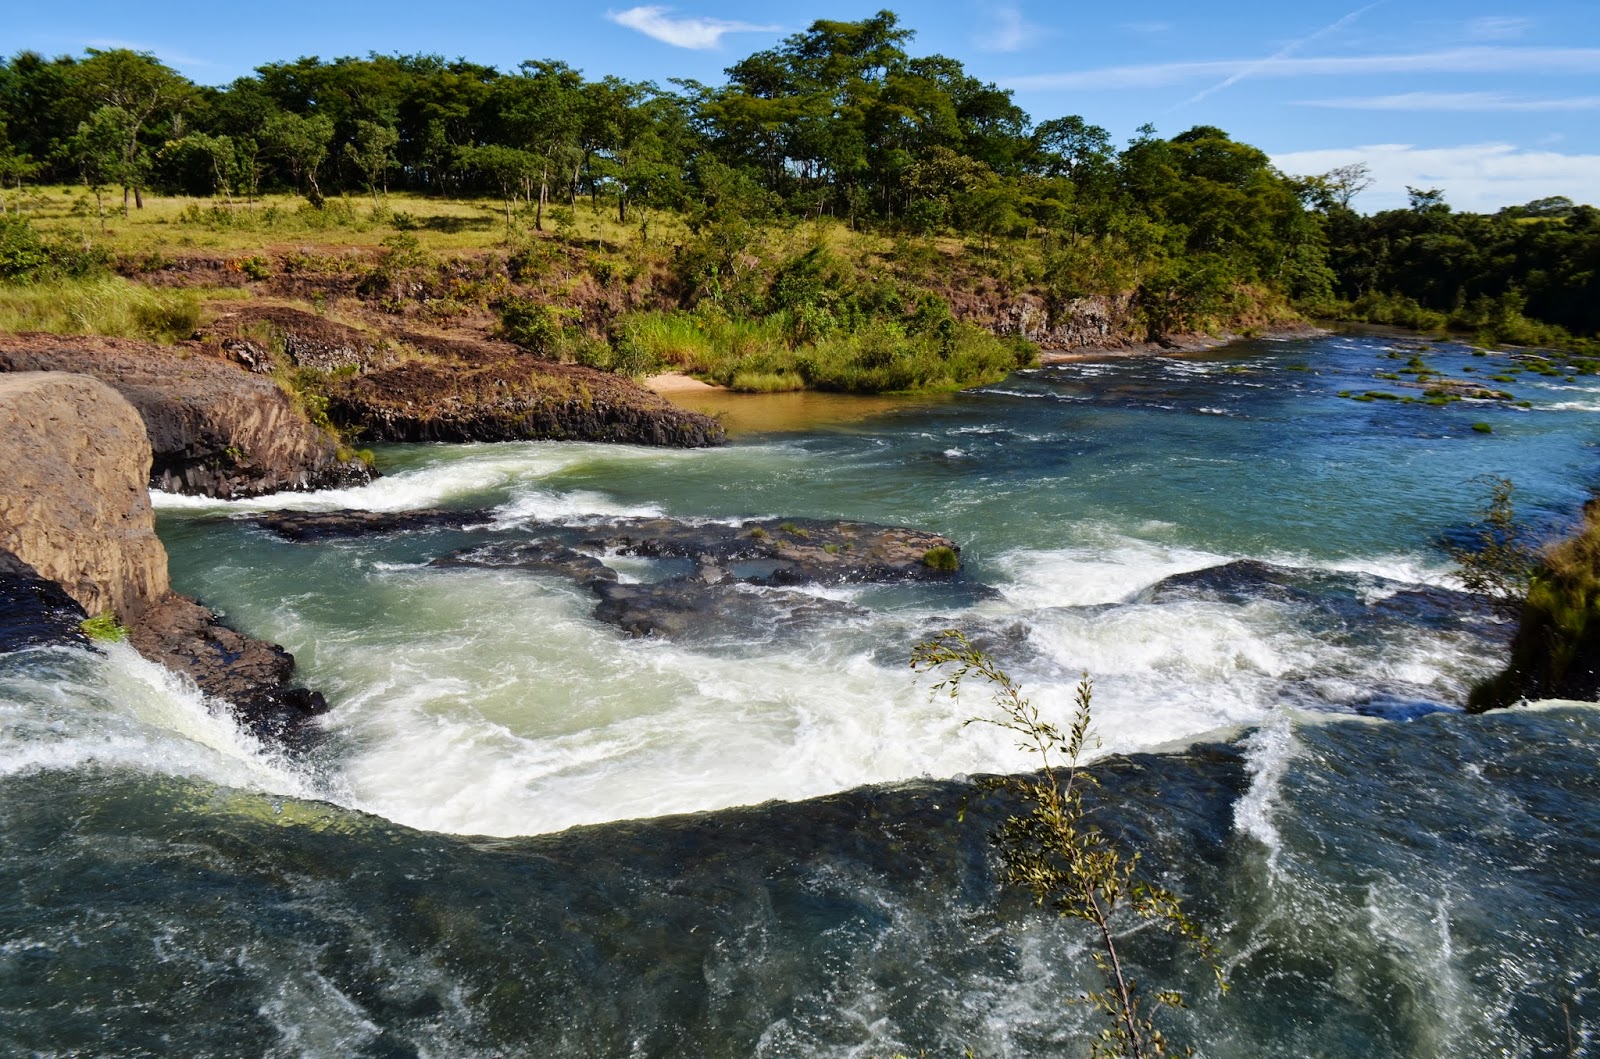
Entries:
{"x":841,"y":214}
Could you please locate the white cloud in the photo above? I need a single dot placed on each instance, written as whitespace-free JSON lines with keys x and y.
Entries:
{"x":1010,"y":31}
{"x":1465,"y":102}
{"x":700,"y":34}
{"x":1475,"y":60}
{"x":1498,"y":27}
{"x":1479,"y":177}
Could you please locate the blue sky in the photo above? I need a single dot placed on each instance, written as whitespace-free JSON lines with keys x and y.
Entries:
{"x":1493,"y":101}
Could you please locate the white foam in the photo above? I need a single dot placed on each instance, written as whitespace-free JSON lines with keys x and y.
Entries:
{"x":68,"y":708}
{"x":1268,"y":751}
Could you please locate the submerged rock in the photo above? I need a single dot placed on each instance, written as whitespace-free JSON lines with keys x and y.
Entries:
{"x":319,"y":525}
{"x":1348,"y":597}
{"x":542,"y":556}
{"x":789,"y":551}
{"x":691,"y":608}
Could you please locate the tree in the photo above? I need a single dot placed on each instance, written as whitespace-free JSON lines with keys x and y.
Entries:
{"x":98,"y":151}
{"x":142,"y":88}
{"x":506,"y":167}
{"x":303,"y":144}
{"x":1345,"y":182}
{"x":372,"y":152}
{"x":1426,"y":200}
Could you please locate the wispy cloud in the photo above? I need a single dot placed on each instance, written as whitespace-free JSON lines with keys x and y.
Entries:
{"x":1283,"y":53}
{"x":1009,"y":31}
{"x":1466,"y":102}
{"x":1483,"y":177}
{"x":166,"y":55}
{"x":700,"y":34}
{"x":1498,"y":27}
{"x":1475,"y":60}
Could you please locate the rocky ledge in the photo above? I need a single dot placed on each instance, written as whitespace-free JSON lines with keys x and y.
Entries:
{"x":77,"y":538}
{"x":214,"y":429}
{"x":389,"y":384}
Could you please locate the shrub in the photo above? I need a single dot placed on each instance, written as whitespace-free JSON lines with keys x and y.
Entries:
{"x":941,"y":559}
{"x":1052,"y":849}
{"x":532,"y":325}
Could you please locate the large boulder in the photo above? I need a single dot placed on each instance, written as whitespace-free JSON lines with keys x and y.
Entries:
{"x":77,"y":531}
{"x":75,"y":506}
{"x":214,"y":429}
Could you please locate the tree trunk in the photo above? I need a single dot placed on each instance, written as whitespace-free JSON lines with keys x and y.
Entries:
{"x":138,"y":198}
{"x":125,"y":190}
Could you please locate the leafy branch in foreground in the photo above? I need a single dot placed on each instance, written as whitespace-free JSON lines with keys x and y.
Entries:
{"x":1496,"y":560}
{"x":1062,"y":859}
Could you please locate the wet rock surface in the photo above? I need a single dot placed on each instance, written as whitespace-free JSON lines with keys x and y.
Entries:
{"x":713,"y":578}
{"x":1346,"y":597}
{"x":34,"y":611}
{"x":787,"y":551}
{"x":322,"y":525}
{"x":253,"y":676}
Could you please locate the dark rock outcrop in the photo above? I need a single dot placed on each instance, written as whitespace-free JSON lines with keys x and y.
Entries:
{"x":712,"y":579}
{"x":322,"y":525}
{"x":511,"y":400}
{"x":214,"y":429}
{"x":787,"y":551}
{"x":252,"y":676}
{"x":1346,"y":598}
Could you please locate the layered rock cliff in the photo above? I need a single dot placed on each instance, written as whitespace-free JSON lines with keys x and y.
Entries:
{"x":214,"y":429}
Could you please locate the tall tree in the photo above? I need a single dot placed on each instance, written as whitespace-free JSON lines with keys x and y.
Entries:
{"x":143,"y":89}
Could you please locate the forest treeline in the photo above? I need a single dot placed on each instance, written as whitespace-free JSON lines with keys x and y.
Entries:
{"x":841,"y":121}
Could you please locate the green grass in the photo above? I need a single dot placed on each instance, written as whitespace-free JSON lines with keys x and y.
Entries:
{"x":107,"y":305}
{"x":103,"y":628}
{"x":880,"y":356}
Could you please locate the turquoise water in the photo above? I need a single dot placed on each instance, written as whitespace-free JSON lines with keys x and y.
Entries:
{"x":1385,"y":876}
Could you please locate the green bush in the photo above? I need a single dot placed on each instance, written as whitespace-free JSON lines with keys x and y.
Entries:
{"x":27,"y":257}
{"x":942,"y":559}
{"x":534,"y":326}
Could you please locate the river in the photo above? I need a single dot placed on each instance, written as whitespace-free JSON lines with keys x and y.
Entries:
{"x":527,"y":833}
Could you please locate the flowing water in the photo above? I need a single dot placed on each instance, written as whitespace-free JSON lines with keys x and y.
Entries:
{"x":523,"y":834}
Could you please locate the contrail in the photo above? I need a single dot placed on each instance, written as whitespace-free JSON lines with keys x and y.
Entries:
{"x":1282,"y":53}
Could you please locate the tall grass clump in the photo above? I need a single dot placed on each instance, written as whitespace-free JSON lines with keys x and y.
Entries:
{"x":1556,"y":650}
{"x":108,"y":305}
